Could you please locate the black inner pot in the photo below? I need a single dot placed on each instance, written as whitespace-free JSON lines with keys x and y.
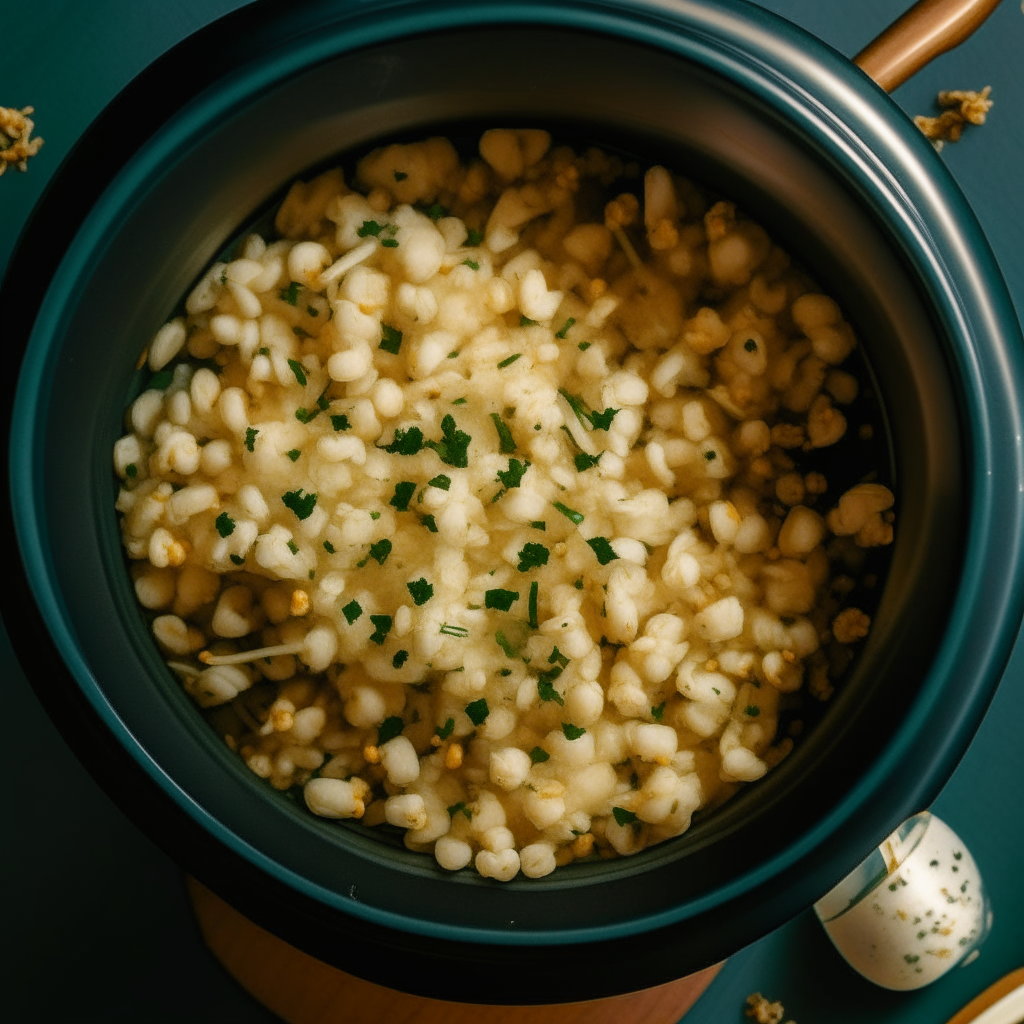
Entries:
{"x":580,"y":86}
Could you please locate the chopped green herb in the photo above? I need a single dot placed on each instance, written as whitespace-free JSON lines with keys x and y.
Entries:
{"x":478,"y":711}
{"x":312,"y":311}
{"x":459,"y":631}
{"x":369,"y":227}
{"x":750,"y":345}
{"x":532,"y":556}
{"x":382,"y":626}
{"x":388,"y":729}
{"x":444,"y":731}
{"x":237,"y":559}
{"x":293,"y":547}
{"x":391,"y":339}
{"x":572,"y":732}
{"x":570,"y":514}
{"x":622,"y":816}
{"x":513,"y":476}
{"x":300,"y":373}
{"x":536,"y":426}
{"x":328,"y":547}
{"x":380,"y":550}
{"x":538,"y":755}
{"x":250,"y":437}
{"x":304,"y":415}
{"x":403,"y":493}
{"x":389,"y":243}
{"x":440,"y":481}
{"x":162,"y":380}
{"x":301,"y":332}
{"x":225,"y":525}
{"x":604,"y":551}
{"x":603,"y":420}
{"x":291,"y":293}
{"x":583,"y":461}
{"x":505,"y":672}
{"x":578,"y":406}
{"x":300,"y":503}
{"x":294,"y":454}
{"x":539,"y":524}
{"x":507,"y":443}
{"x":472,"y":264}
{"x":500,"y":599}
{"x":429,"y":522}
{"x":525,"y":321}
{"x":508,"y":362}
{"x":405,"y":442}
{"x":506,"y":645}
{"x":534,"y":589}
{"x":375,"y":515}
{"x":752,"y":710}
{"x":400,"y":175}
{"x":453,"y":355}
{"x":658,"y":712}
{"x":400,"y":658}
{"x":559,"y":657}
{"x":583,"y":346}
{"x":453,"y":448}
{"x":565,"y":327}
{"x":710,"y":456}
{"x":459,"y":401}
{"x":546,"y":688}
{"x":474,"y":238}
{"x":579,"y":584}
{"x":458,"y":808}
{"x":436,"y":211}
{"x":264,"y":351}
{"x":420,"y":591}
{"x":340,"y":422}
{"x":717,"y":690}
{"x":131,"y":471}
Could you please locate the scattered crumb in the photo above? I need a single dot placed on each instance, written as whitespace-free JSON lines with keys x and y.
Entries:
{"x":15,"y":144}
{"x":762,"y":1011}
{"x":960,"y":107}
{"x":850,"y":625}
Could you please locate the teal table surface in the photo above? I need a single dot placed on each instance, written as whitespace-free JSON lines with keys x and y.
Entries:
{"x":96,"y":916}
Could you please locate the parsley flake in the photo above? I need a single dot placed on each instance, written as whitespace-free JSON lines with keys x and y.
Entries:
{"x":225,"y":525}
{"x":340,"y":422}
{"x":752,"y":710}
{"x":453,"y":448}
{"x":513,"y":476}
{"x":508,"y":362}
{"x":583,"y":461}
{"x":622,"y":816}
{"x":400,"y":658}
{"x":403,"y":493}
{"x":583,"y":346}
{"x":506,"y":442}
{"x":380,"y":550}
{"x":459,"y":401}
{"x":449,"y":630}
{"x":382,"y":626}
{"x":389,"y":243}
{"x":440,"y":481}
{"x":291,"y":293}
{"x":525,"y":321}
{"x":565,"y":327}
{"x":405,"y":442}
{"x":328,"y":547}
{"x":710,"y":456}
{"x":750,"y":345}
{"x":300,"y":373}
{"x":369,"y":227}
{"x":444,"y":731}
{"x":250,"y":438}
{"x":478,"y":711}
{"x":420,"y":591}
{"x":572,"y":732}
{"x":300,"y":503}
{"x":458,"y":808}
{"x":658,"y":712}
{"x":474,"y":238}
{"x":301,"y":332}
{"x":539,"y":524}
{"x":388,"y":729}
{"x":500,"y":599}
{"x":391,"y":339}
{"x":603,"y":420}
{"x":161,"y":380}
{"x":472,"y":264}
{"x":570,"y":514}
{"x":436,"y":211}
{"x":400,"y":175}
{"x":237,"y":559}
{"x":534,"y":589}
{"x":559,"y":657}
{"x":604,"y":551}
{"x":533,"y":556}
{"x":293,"y":547}
{"x":375,"y":515}
{"x":506,"y":645}
{"x":294,"y":454}
{"x":546,"y":688}
{"x":429,"y":522}
{"x":131,"y":471}
{"x":539,"y":755}
{"x":312,"y":311}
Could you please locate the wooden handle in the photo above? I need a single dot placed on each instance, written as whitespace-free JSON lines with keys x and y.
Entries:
{"x":928,"y":29}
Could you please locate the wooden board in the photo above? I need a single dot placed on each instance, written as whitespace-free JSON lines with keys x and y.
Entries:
{"x":303,"y":990}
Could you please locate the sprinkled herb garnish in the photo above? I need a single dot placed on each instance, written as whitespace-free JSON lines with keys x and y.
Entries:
{"x":294,"y":454}
{"x":460,"y":808}
{"x":250,"y":437}
{"x":300,"y":503}
{"x":375,"y":515}
{"x":389,"y":243}
{"x":565,"y":327}
{"x":400,"y":175}
{"x":444,"y":731}
{"x":403,"y":493}
{"x":538,"y":755}
{"x":161,"y":380}
{"x":750,"y":345}
{"x":459,"y":401}
{"x":752,"y":710}
{"x":572,"y":732}
{"x":539,"y":524}
{"x":532,"y":556}
{"x":557,"y":657}
{"x":570,"y":514}
{"x":225,"y":525}
{"x":506,"y":645}
{"x":534,"y":589}
{"x":380,"y":550}
{"x":474,"y":238}
{"x":453,"y":448}
{"x":429,"y":522}
{"x":513,"y":476}
{"x":579,"y":584}
{"x":710,"y":456}
{"x":596,"y":420}
{"x":448,"y":630}
{"x":293,"y":547}
{"x":658,"y":712}
{"x":131,"y":471}
{"x":622,"y":816}
{"x":472,"y":264}
{"x":583,"y":346}
{"x":340,"y":422}
{"x":400,"y":658}
{"x":508,"y":362}
{"x":301,"y":332}
{"x":405,"y":442}
{"x":525,"y":321}
{"x":604,"y":551}
{"x":369,"y":227}
{"x":237,"y":559}
{"x":453,"y":355}
{"x":382,"y":626}
{"x":506,"y":443}
{"x":389,"y":729}
{"x":500,"y":599}
{"x":391,"y":339}
{"x":583,"y":461}
{"x":420,"y":591}
{"x":478,"y":711}
{"x":441,"y":481}
{"x":312,"y":311}
{"x":300,"y":373}
{"x":603,"y":420}
{"x":291,"y":293}
{"x":436,"y":211}
{"x":546,"y":688}
{"x":328,"y":547}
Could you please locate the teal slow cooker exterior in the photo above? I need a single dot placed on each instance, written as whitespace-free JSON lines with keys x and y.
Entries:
{"x":749,"y":105}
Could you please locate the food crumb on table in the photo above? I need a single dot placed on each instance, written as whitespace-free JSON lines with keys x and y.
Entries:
{"x":764,"y":1011}
{"x":16,"y":144}
{"x":960,"y":107}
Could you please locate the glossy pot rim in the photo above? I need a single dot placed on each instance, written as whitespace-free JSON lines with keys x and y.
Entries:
{"x":893,"y":169}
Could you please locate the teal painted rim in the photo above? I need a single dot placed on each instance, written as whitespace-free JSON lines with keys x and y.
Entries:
{"x":894,"y":171}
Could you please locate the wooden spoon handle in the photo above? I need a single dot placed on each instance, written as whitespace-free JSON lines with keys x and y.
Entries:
{"x":992,"y":995}
{"x":928,"y":29}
